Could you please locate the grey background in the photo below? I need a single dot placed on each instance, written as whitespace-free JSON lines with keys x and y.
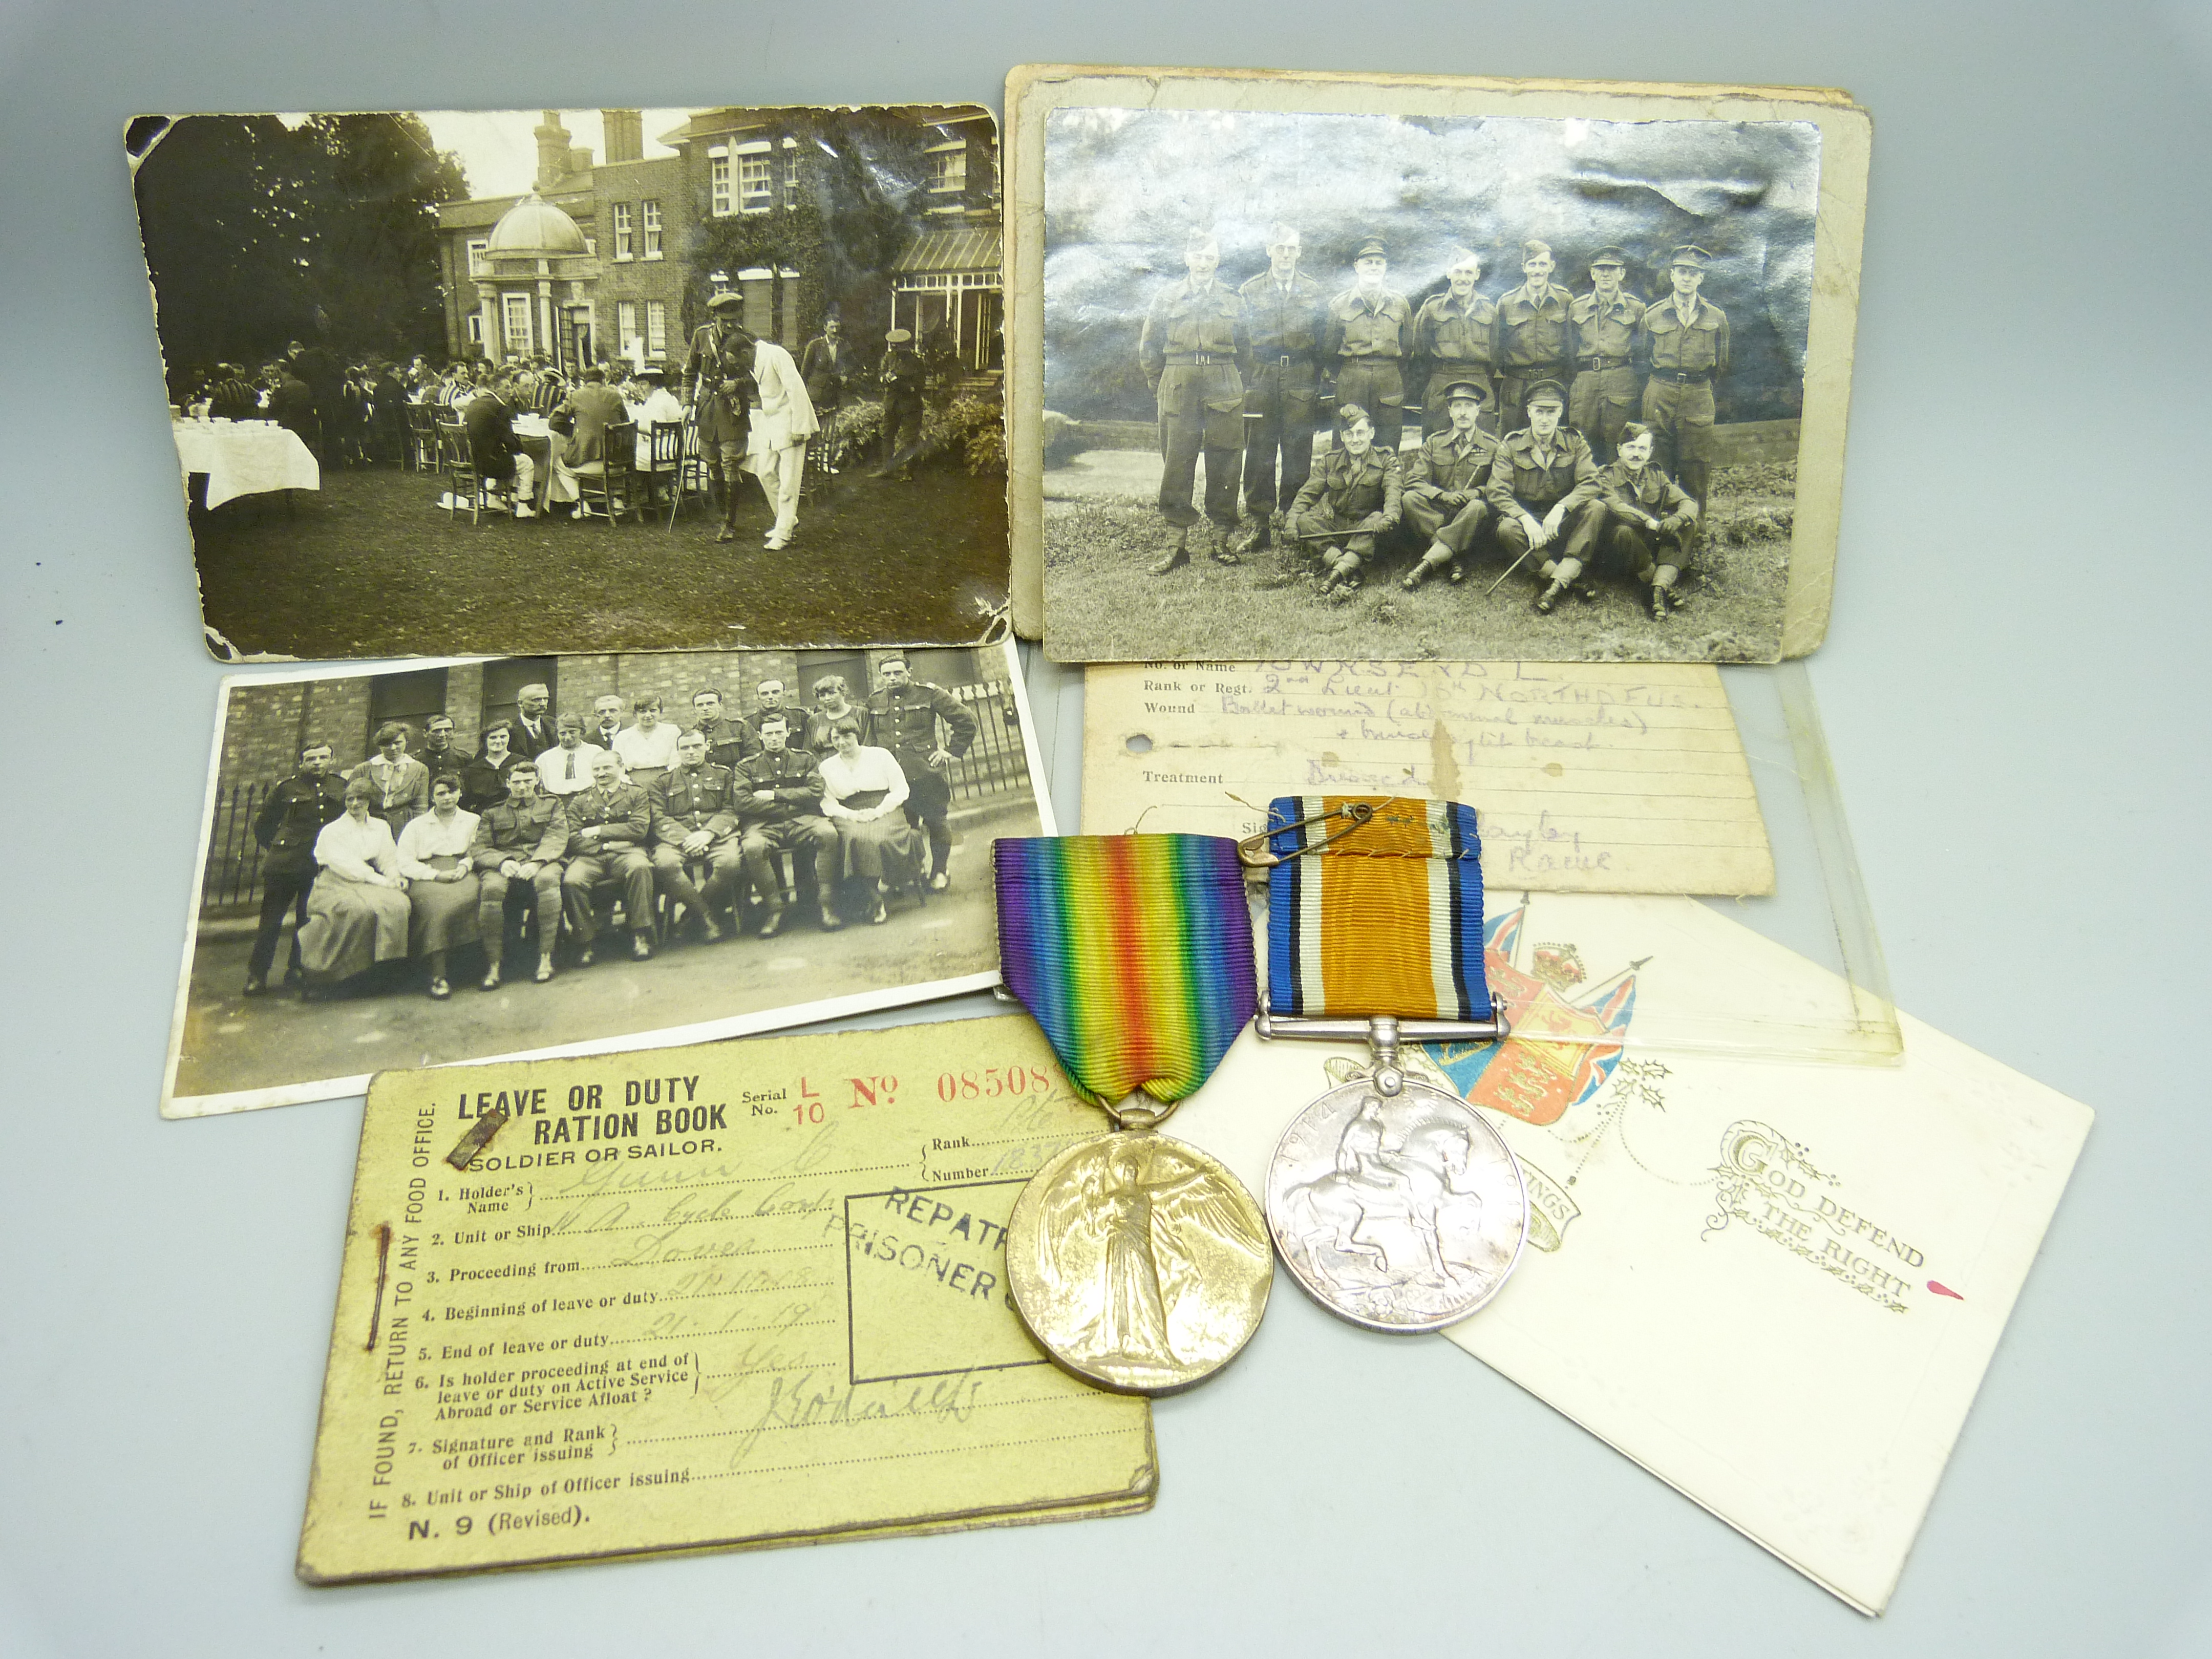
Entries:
{"x":1120,"y":199}
{"x":2013,"y":688}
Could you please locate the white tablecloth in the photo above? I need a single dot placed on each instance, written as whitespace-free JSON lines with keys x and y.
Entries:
{"x":245,"y":457}
{"x":562,"y":486}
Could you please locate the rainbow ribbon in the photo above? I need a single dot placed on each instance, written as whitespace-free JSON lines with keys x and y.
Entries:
{"x":1134,"y":952}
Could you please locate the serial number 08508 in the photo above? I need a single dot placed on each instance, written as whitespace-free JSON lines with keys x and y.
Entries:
{"x":993,"y":1082}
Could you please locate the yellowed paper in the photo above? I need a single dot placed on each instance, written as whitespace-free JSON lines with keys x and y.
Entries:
{"x":1776,"y":1286}
{"x":737,"y":1294}
{"x":1587,"y":777}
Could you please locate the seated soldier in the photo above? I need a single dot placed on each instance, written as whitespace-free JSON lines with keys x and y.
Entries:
{"x":1350,"y":497}
{"x":1444,"y":498}
{"x":497,"y":453}
{"x":608,"y":824}
{"x":589,"y":407}
{"x":1651,"y":522}
{"x":517,"y":853}
{"x":780,"y":804}
{"x":1546,"y":469}
{"x":695,"y":821}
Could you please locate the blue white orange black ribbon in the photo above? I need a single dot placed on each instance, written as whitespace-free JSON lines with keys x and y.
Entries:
{"x":1384,"y":920}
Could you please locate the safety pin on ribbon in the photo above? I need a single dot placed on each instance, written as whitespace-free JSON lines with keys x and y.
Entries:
{"x":1253,"y":854}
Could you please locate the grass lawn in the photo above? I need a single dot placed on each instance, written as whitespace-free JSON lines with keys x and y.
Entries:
{"x":369,"y":566}
{"x":1102,"y":606}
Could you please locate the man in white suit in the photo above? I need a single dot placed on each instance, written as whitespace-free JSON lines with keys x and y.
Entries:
{"x":783,"y":423}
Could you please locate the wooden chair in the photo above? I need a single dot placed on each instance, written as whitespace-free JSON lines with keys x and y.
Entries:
{"x":662,"y":474}
{"x":613,"y":480}
{"x":462,"y":480}
{"x":814,"y":478}
{"x":459,"y":467}
{"x":421,"y":455}
{"x":691,"y":478}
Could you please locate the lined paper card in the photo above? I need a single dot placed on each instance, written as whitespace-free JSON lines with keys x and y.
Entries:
{"x":1587,"y":777}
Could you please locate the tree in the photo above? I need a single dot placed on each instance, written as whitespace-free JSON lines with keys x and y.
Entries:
{"x":222,"y":244}
{"x":257,"y":233}
{"x":864,"y":174}
{"x":368,"y":187}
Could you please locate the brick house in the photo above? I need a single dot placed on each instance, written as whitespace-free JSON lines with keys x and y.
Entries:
{"x":636,"y":283}
{"x":621,"y":296}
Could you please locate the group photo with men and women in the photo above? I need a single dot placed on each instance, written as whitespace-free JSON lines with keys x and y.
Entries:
{"x":489,"y":857}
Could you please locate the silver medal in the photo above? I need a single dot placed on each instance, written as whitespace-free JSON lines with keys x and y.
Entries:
{"x":1395,"y":1204}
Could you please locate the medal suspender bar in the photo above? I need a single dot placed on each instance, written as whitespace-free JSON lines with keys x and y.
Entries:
{"x":1374,"y":922}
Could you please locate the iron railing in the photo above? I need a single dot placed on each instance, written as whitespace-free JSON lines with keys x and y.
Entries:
{"x":997,"y":763}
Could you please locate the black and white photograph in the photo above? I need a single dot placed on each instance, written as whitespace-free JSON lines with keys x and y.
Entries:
{"x":1335,"y":383}
{"x":470,"y":381}
{"x":576,"y":853}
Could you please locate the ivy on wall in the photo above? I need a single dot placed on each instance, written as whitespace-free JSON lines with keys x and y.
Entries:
{"x":861,"y":196}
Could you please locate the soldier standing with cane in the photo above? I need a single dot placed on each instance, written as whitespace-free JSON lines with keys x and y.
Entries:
{"x":719,"y":373}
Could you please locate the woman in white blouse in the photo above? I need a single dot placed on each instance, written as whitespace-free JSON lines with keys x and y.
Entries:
{"x":648,"y":748}
{"x":441,"y":884}
{"x":776,"y":442}
{"x":358,"y":910}
{"x":863,"y":791}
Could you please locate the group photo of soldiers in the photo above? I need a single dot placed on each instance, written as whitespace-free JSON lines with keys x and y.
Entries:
{"x":1549,"y":411}
{"x":614,"y":845}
